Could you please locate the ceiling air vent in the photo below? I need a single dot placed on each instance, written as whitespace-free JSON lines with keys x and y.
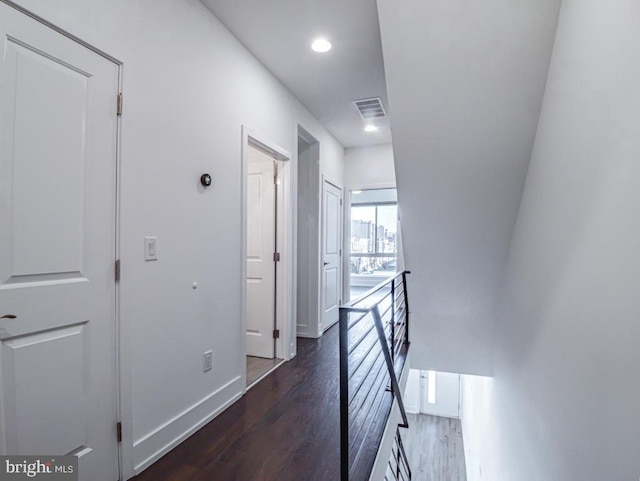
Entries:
{"x":370,"y":108}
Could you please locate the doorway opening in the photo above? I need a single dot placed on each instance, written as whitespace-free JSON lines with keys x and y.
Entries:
{"x":319,"y":264}
{"x":261,"y":246}
{"x":434,"y":393}
{"x":373,"y":243}
{"x":266,"y":227}
{"x":308,"y":236}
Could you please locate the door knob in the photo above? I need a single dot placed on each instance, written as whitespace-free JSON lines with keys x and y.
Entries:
{"x":325,"y":263}
{"x":8,"y":316}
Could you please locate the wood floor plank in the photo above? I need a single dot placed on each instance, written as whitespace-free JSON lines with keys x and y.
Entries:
{"x":435,"y":448}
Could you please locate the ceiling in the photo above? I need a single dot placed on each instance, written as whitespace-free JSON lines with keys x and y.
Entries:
{"x":279,"y":33}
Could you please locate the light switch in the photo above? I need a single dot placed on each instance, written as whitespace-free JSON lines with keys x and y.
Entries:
{"x":150,"y":248}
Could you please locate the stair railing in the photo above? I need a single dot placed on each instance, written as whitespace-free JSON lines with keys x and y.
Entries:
{"x":398,"y":468}
{"x":374,"y":341}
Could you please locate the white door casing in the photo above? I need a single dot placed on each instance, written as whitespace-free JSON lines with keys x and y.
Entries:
{"x":58,"y":144}
{"x":261,"y":239}
{"x":331,"y":276}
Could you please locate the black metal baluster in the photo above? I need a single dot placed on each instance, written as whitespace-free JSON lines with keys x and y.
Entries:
{"x":393,"y":321}
{"x":406,"y":306}
{"x":344,"y":394}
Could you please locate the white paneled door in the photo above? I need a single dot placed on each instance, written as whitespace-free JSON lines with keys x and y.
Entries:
{"x":58,"y":135}
{"x":331,"y":285}
{"x":261,"y":240}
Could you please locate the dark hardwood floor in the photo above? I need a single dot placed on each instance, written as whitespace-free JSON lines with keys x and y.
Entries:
{"x":286,"y":428}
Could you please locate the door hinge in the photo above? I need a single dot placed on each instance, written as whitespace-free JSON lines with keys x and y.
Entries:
{"x":276,"y":333}
{"x":276,"y":257}
{"x":117,"y":270}
{"x":119,"y":104}
{"x":276,"y":179}
{"x":340,"y":201}
{"x":119,"y":431}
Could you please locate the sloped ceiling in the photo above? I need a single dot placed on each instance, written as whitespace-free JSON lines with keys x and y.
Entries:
{"x":465,"y":81}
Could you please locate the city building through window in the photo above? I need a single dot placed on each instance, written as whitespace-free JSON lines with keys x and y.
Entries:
{"x":373,"y":243}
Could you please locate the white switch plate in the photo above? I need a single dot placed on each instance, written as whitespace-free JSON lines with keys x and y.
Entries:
{"x":207,"y":361}
{"x":150,"y":248}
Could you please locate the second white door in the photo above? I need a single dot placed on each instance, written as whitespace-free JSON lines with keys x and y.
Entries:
{"x":331,"y":285}
{"x":261,"y":241}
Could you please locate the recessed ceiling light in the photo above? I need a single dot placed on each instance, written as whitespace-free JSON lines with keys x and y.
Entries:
{"x":370,"y":128}
{"x":321,"y":45}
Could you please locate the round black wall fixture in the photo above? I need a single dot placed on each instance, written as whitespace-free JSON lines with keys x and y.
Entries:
{"x":205,"y":179}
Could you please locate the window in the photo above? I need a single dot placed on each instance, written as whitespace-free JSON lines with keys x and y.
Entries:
{"x":373,"y":246}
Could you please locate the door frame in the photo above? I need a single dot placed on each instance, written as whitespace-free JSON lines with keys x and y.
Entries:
{"x":284,"y":232}
{"x":323,"y":178}
{"x":122,"y":355}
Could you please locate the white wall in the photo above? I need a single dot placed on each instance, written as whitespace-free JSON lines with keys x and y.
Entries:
{"x":465,"y":82}
{"x":189,"y":86}
{"x":369,"y":167}
{"x":331,"y":159}
{"x":566,"y":392}
{"x":479,"y":423}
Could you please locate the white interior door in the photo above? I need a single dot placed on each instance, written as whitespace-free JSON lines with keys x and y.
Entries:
{"x":331,"y":286}
{"x":58,"y":134}
{"x":440,"y":394}
{"x":261,"y":237}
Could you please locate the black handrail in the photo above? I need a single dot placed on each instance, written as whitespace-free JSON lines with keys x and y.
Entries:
{"x":374,"y":340}
{"x":373,"y":290}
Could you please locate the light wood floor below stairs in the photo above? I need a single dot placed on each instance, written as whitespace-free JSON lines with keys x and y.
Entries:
{"x":434,"y":448}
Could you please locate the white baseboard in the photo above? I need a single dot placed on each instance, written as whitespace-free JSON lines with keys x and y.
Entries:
{"x":159,"y":442}
{"x":325,"y":328}
{"x":306,"y":335}
{"x":410,"y":408}
{"x":302,"y":330}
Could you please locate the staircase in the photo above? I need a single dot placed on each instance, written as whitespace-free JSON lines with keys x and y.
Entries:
{"x":374,"y":343}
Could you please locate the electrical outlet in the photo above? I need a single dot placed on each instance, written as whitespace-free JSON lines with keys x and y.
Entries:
{"x":207,"y":361}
